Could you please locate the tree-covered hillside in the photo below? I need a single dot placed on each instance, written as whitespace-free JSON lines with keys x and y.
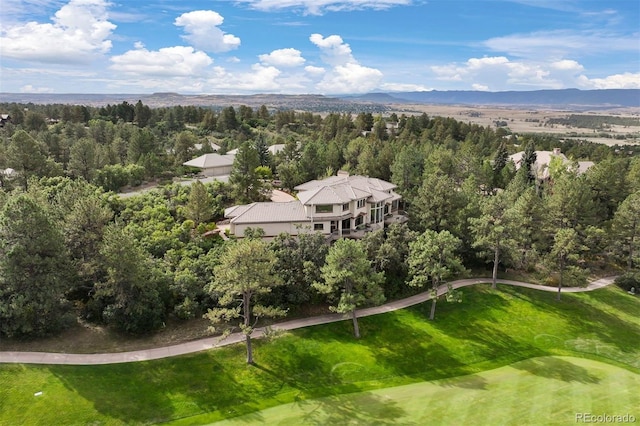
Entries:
{"x":70,"y":246}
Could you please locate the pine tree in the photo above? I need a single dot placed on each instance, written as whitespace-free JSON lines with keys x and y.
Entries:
{"x":33,"y":269}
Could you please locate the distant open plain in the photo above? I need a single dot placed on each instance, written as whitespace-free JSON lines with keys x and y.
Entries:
{"x":521,"y":120}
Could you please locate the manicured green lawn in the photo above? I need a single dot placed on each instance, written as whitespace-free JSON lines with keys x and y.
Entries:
{"x":538,"y":391}
{"x":490,"y":329}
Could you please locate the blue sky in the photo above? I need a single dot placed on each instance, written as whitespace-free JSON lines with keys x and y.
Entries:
{"x":317,"y":46}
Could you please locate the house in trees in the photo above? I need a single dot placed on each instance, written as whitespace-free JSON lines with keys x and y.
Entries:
{"x":338,"y":206}
{"x":212,"y":164}
{"x":4,"y":119}
{"x":543,"y":160}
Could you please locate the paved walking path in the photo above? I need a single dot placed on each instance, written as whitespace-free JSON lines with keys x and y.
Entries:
{"x":213,"y":342}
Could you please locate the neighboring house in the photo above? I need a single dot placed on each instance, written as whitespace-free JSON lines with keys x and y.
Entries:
{"x":274,"y":149}
{"x":214,"y":146}
{"x":337,"y":206}
{"x":6,"y":174}
{"x":4,"y":119}
{"x":543,"y":159}
{"x":212,"y":164}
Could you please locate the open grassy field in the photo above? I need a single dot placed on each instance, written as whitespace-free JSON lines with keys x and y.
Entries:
{"x":531,"y":120}
{"x":537,"y":391}
{"x":490,"y":329}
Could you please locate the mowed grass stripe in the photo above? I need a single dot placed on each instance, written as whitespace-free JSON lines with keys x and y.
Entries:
{"x":489,"y":329}
{"x":483,"y":398}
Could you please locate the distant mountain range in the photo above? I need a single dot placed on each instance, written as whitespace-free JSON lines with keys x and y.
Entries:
{"x":570,"y":99}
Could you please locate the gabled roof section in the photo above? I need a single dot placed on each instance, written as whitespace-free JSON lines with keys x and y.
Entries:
{"x":344,"y":188}
{"x":361,"y":182}
{"x":208,"y":161}
{"x":366,"y":183}
{"x":543,"y":159}
{"x":333,"y":194}
{"x":292,"y":211}
{"x":234,"y":211}
{"x":313,"y":184}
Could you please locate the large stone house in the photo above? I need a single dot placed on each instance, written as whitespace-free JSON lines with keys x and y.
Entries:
{"x":543,"y":160}
{"x":338,"y":206}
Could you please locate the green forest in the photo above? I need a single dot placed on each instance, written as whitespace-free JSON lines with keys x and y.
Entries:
{"x":71,"y":247}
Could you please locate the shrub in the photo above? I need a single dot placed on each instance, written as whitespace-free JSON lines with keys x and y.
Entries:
{"x":628,"y":280}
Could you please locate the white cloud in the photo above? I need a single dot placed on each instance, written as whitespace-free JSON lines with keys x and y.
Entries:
{"x":283,"y":58}
{"x":79,"y":31}
{"x":318,"y":7}
{"x":560,"y":43}
{"x":480,"y":87}
{"x":346,"y":74}
{"x":28,"y":88}
{"x":350,"y":78}
{"x":334,"y":50}
{"x":616,"y":81}
{"x":168,"y":61}
{"x":567,"y":65}
{"x":314,"y":71}
{"x":202,"y":31}
{"x":500,"y":73}
{"x":403,"y":87}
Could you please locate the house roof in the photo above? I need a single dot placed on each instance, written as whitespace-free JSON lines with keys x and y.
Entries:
{"x":543,"y":159}
{"x":234,"y":211}
{"x":292,"y":211}
{"x":333,"y":194}
{"x":208,"y":161}
{"x":276,"y":148}
{"x":361,"y":182}
{"x":344,"y":188}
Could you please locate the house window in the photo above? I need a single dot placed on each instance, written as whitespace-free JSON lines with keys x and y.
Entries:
{"x":324,"y":208}
{"x":361,"y":203}
{"x":345,"y":207}
{"x":318,"y":226}
{"x":377,"y":213}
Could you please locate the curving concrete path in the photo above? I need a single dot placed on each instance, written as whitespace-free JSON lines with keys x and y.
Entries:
{"x":213,"y":342}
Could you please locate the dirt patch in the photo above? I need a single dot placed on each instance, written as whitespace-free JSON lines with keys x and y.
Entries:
{"x":89,"y":338}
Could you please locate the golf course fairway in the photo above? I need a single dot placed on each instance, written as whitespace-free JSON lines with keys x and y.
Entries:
{"x":552,"y":390}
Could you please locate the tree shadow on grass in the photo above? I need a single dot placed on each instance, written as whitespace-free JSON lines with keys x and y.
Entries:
{"x":114,"y":391}
{"x":352,"y":407}
{"x":584,"y":320}
{"x":149,"y":392}
{"x":558,"y":369}
{"x":467,"y":382}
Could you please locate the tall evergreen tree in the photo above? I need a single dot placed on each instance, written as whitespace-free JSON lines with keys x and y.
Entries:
{"x":433,"y":259}
{"x":349,"y":280}
{"x":244,"y":180}
{"x":200,"y":205}
{"x":34,"y":267}
{"x":245,"y":273}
